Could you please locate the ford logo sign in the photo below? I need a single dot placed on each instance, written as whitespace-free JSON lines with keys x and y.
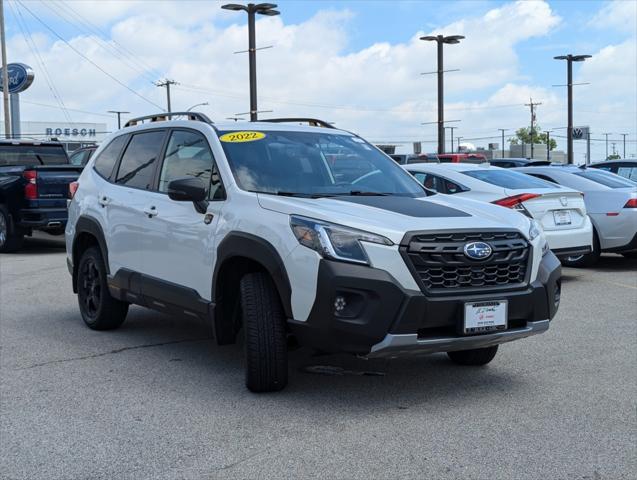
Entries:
{"x":477,"y":250}
{"x":20,"y":77}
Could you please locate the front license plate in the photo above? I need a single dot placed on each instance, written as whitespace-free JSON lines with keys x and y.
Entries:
{"x":483,"y":317}
{"x":562,"y":217}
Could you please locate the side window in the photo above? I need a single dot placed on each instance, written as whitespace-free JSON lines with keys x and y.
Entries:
{"x":431,"y":182}
{"x":106,"y":160}
{"x":137,"y":168}
{"x":628,"y":172}
{"x":450,"y":187}
{"x":543,"y":177}
{"x":188,"y":155}
{"x":78,"y":158}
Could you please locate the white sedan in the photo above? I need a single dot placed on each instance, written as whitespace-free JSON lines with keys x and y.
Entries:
{"x":561,"y":211}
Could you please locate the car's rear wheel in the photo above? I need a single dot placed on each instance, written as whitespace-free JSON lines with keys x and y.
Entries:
{"x":476,"y":357}
{"x":100,"y":311}
{"x":582,"y":261}
{"x":10,"y":240}
{"x":265,"y":337}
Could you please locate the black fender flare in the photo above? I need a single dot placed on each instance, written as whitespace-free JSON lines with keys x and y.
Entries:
{"x":86,"y":224}
{"x":240,"y":244}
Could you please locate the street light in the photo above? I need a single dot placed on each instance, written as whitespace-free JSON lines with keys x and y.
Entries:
{"x":252,"y":9}
{"x":197,"y":105}
{"x":441,"y":39}
{"x":119,"y":117}
{"x":569,"y":83}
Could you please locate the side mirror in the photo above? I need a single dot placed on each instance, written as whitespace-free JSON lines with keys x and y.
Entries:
{"x":189,"y":190}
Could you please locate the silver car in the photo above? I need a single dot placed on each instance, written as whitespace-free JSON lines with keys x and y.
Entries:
{"x":611,"y":203}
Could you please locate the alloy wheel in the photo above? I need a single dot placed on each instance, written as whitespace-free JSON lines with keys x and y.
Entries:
{"x":3,"y":229}
{"x":91,"y":289}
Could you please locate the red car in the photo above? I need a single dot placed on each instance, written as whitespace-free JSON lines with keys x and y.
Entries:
{"x":461,"y":158}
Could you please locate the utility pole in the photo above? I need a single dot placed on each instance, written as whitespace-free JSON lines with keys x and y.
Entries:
{"x":614,"y":151}
{"x":119,"y":117}
{"x":167,"y":83}
{"x":502,"y":130}
{"x":532,"y":105}
{"x":548,"y":146}
{"x":624,"y":135}
{"x":458,"y":142}
{"x":606,"y":135}
{"x":5,"y":76}
{"x":441,"y":40}
{"x":452,"y":129}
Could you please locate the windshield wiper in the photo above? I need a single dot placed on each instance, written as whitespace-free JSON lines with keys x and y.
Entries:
{"x":283,"y":193}
{"x":362,"y":193}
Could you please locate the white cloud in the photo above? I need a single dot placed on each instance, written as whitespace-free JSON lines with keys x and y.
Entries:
{"x":619,"y":14}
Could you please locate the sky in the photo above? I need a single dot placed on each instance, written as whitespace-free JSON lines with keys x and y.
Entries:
{"x":358,"y":64}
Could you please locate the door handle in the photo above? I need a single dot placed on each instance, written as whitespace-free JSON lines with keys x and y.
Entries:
{"x":104,"y":200}
{"x":151,"y":211}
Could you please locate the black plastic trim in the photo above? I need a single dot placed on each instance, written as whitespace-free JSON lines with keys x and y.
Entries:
{"x":89,"y":225}
{"x":563,"y":252}
{"x":408,"y":206}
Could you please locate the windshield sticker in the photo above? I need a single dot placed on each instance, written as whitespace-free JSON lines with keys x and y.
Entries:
{"x":239,"y":137}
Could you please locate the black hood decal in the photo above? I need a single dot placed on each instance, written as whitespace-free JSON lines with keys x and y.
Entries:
{"x":408,"y":206}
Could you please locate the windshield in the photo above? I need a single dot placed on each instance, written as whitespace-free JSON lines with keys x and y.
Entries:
{"x":313,"y":164}
{"x":27,"y":155}
{"x":606,"y":178}
{"x":509,"y":179}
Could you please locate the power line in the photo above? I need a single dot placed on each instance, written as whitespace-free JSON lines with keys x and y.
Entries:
{"x":69,"y":109}
{"x":112,"y":77}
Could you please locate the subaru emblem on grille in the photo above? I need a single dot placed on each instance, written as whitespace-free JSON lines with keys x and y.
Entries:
{"x":564,"y":201}
{"x":477,"y":250}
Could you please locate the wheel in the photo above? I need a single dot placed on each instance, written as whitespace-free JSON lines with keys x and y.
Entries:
{"x":99,"y":310}
{"x":478,"y":356}
{"x":630,"y":255}
{"x":265,"y":336}
{"x":10,"y":241}
{"x":587,"y":260}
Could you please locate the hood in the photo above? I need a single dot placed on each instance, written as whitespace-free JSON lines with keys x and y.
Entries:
{"x":393,"y":216}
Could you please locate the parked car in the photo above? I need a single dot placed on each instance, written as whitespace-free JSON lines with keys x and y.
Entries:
{"x":625,"y":168}
{"x":561,"y":211}
{"x":415,"y":158}
{"x":517,"y":162}
{"x":254,"y":231}
{"x":461,"y":158}
{"x":81,"y":156}
{"x":34,"y":188}
{"x":611,"y":203}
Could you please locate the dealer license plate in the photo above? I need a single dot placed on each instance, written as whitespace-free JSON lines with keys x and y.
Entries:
{"x":562,"y":217}
{"x":483,"y":317}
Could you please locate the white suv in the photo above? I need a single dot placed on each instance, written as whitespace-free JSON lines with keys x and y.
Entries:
{"x":281,"y":230}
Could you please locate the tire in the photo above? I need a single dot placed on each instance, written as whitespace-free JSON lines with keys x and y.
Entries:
{"x":265,"y":337}
{"x":10,"y":241}
{"x":583,"y":261}
{"x":476,"y":357}
{"x":100,"y":311}
{"x":631,"y":255}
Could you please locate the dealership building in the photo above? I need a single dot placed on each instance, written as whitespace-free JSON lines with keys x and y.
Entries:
{"x":72,"y":134}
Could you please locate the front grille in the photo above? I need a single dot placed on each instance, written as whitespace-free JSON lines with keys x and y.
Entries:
{"x":439,"y":264}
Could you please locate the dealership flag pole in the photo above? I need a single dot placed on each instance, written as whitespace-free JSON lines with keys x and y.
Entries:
{"x":5,"y":76}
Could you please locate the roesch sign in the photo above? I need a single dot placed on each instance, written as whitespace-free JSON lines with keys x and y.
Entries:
{"x":20,"y":77}
{"x":70,"y":132}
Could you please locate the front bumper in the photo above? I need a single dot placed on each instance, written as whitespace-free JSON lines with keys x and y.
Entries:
{"x":382,"y":319}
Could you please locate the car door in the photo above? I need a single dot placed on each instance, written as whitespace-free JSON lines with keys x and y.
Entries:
{"x":124,"y":200}
{"x":178,"y":246}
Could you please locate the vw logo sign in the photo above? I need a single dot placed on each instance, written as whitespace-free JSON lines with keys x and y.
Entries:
{"x":477,"y":250}
{"x":20,"y":77}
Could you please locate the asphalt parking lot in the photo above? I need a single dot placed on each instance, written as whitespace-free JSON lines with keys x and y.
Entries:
{"x":157,"y":399}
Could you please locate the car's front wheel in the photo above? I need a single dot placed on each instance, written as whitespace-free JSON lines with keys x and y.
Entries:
{"x":476,"y":357}
{"x":265,"y":335}
{"x":100,"y":311}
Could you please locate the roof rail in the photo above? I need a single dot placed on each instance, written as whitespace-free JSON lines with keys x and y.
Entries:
{"x":162,"y":117}
{"x":313,"y":122}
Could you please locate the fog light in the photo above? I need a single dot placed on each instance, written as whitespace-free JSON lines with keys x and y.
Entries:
{"x":339,"y":303}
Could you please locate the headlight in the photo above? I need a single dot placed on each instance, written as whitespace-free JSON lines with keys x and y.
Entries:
{"x":535,"y":230}
{"x":334,"y":241}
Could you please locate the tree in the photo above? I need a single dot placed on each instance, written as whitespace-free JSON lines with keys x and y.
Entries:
{"x":523,"y":135}
{"x":614,"y":156}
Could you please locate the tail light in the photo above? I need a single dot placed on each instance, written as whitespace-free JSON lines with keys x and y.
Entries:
{"x":632,"y":203}
{"x":31,"y":188}
{"x":516,"y":201}
{"x":73,"y":186}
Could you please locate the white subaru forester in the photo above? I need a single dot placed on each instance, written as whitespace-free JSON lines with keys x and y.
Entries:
{"x":285,"y":230}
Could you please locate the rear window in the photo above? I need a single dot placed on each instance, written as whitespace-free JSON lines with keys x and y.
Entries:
{"x":25,"y":155}
{"x":606,"y":178}
{"x":508,"y":179}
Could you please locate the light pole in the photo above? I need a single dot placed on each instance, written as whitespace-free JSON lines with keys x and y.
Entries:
{"x":252,"y":9}
{"x":119,"y":117}
{"x":624,"y":135}
{"x":441,"y":40}
{"x":502,"y":130}
{"x":606,"y":135}
{"x":548,"y":146}
{"x":569,"y":84}
{"x":197,"y":105}
{"x":452,"y":129}
{"x":458,"y":141}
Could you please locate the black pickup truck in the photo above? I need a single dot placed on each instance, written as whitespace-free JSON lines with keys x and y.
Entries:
{"x":34,"y":187}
